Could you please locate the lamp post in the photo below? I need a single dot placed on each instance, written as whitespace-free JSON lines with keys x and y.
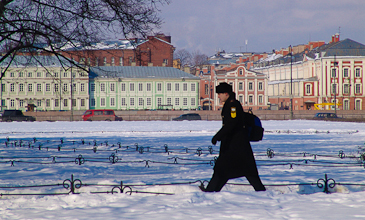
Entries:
{"x":335,"y":84}
{"x":291,"y":82}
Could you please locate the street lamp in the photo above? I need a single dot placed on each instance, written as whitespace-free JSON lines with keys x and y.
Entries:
{"x":291,"y":82}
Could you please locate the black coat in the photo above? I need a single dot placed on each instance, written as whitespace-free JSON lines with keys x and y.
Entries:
{"x":235,"y":157}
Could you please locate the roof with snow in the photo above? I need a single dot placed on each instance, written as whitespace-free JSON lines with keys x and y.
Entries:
{"x":36,"y":61}
{"x":139,"y":72}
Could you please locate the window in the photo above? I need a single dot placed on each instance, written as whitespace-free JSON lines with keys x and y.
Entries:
{"x":206,"y":89}
{"x":65,"y":87}
{"x":96,"y":61}
{"x":260,"y":99}
{"x":39,"y":74}
{"x":308,"y":89}
{"x":192,"y":100}
{"x":102,"y":87}
{"x":12,"y":87}
{"x":346,"y":105}
{"x":177,"y":87}
{"x":48,"y":74}
{"x":169,"y":101}
{"x":357,"y":72}
{"x":48,"y":102}
{"x":357,"y":88}
{"x":250,"y":86}
{"x":30,"y":75}
{"x":121,"y":61}
{"x":30,"y":87}
{"x":149,"y":101}
{"x":21,"y":103}
{"x":148,"y":87}
{"x":56,"y":87}
{"x":250,"y":99}
{"x":159,"y":87}
{"x":165,"y":61}
{"x":123,"y":87}
{"x":39,"y":87}
{"x":260,"y":86}
{"x":21,"y":87}
{"x":112,"y":101}
{"x":334,"y":90}
{"x":82,"y":87}
{"x":48,"y":87}
{"x":21,"y":74}
{"x":193,"y":87}
{"x":39,"y":103}
{"x":92,"y":87}
{"x":3,"y":87}
{"x":140,"y":87}
{"x":130,"y":60}
{"x":12,"y":75}
{"x":185,"y":87}
{"x":65,"y":102}
{"x":56,"y":103}
{"x":159,"y":101}
{"x":92,"y":102}
{"x":240,"y":99}
{"x":241,"y":72}
{"x":131,"y":101}
{"x":12,"y":103}
{"x":168,"y":86}
{"x":131,"y":87}
{"x":240,"y":86}
{"x":357,"y":104}
{"x":65,"y":74}
{"x":177,"y":101}
{"x":123,"y":103}
{"x":112,"y":87}
{"x":82,"y":102}
{"x":333,"y":73}
{"x":102,"y":101}
{"x":104,"y":61}
{"x":55,"y":75}
{"x":185,"y":101}
{"x":346,"y":88}
{"x":140,"y":102}
{"x":345,"y":73}
{"x":113,"y":61}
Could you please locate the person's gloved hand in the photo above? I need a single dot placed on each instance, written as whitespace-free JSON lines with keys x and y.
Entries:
{"x":214,"y":140}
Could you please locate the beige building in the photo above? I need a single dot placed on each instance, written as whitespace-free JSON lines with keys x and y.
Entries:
{"x":332,"y":73}
{"x":43,"y":84}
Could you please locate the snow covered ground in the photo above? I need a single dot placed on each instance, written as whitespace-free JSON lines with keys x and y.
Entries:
{"x":161,"y":164}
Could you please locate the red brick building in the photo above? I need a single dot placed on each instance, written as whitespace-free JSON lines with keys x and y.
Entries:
{"x":154,"y":51}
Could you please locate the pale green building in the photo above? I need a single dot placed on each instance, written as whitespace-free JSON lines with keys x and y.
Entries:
{"x":43,"y":83}
{"x":141,"y":87}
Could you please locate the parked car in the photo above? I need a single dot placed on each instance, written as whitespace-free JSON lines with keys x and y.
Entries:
{"x":100,"y":115}
{"x":325,"y":115}
{"x":188,"y":117}
{"x":15,"y":115}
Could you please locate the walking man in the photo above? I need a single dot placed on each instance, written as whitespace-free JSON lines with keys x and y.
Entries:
{"x":235,"y":157}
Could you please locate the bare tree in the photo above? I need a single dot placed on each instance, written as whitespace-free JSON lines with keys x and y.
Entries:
{"x":184,"y":56}
{"x":47,"y":26}
{"x":199,"y":59}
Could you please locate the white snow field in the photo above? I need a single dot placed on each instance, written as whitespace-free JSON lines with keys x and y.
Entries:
{"x":152,"y":170}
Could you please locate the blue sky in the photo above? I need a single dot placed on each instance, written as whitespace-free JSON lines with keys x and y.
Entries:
{"x":209,"y":25}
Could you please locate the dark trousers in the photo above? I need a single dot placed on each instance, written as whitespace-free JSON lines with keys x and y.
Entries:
{"x":217,"y":183}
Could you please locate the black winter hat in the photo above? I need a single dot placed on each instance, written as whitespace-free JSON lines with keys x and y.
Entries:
{"x":223,"y":87}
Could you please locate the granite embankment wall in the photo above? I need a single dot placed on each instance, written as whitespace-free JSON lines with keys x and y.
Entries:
{"x":348,"y":115}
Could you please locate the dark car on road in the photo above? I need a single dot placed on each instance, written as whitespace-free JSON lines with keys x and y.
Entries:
{"x":15,"y":115}
{"x":188,"y":117}
{"x":325,"y":115}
